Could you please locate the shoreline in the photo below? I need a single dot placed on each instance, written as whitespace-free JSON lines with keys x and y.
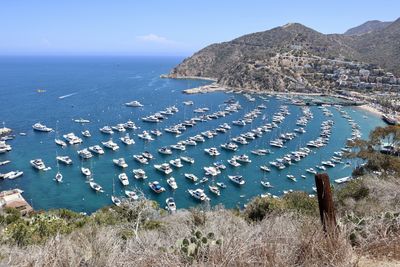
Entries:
{"x":371,"y":109}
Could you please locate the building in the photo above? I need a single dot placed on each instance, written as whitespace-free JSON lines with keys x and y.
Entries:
{"x":14,"y":199}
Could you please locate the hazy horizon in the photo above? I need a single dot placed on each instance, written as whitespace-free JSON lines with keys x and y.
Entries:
{"x":160,"y":28}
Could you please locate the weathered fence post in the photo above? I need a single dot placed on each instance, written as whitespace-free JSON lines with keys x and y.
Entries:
{"x":325,"y":201}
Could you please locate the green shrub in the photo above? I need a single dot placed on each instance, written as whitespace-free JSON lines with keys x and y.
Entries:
{"x":259,"y":207}
{"x":301,"y":202}
{"x":355,"y":189}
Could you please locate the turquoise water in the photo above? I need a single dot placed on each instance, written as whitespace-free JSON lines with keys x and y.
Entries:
{"x":98,"y":88}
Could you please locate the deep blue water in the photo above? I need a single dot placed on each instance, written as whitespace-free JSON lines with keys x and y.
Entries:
{"x":100,"y":86}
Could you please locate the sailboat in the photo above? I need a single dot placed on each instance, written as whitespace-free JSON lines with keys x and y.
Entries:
{"x":58,"y":176}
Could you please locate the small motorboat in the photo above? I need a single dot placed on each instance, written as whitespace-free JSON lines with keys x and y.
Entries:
{"x":171,"y":206}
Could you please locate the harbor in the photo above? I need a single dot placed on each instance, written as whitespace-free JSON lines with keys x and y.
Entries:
{"x":218,"y":148}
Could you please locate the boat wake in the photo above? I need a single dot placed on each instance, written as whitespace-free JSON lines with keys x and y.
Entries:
{"x":65,"y":96}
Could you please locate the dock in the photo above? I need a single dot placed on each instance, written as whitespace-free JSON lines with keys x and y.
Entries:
{"x":13,"y":199}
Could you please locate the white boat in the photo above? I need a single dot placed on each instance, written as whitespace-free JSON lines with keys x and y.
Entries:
{"x":134,"y":104}
{"x":13,"y":175}
{"x":266,"y":184}
{"x":41,"y":127}
{"x":96,"y":149}
{"x":72,"y":139}
{"x":188,"y":103}
{"x":147,"y":155}
{"x":141,"y":159}
{"x":215,"y":190}
{"x":81,"y":120}
{"x":242,"y":158}
{"x":156,"y":132}
{"x":117,"y":202}
{"x":191,"y":176}
{"x":219,"y":165}
{"x":64,"y":159}
{"x":164,"y":167}
{"x":139,"y":174}
{"x":4,"y":162}
{"x":221,"y":184}
{"x":86,"y":133}
{"x":120,"y":162}
{"x":156,"y":187}
{"x":291,"y":177}
{"x":230,"y":146}
{"x":130,"y":125}
{"x":172,"y":183}
{"x":131,"y":194}
{"x":187,"y":159}
{"x":213,"y":171}
{"x":265,"y":168}
{"x":58,"y":177}
{"x":86,"y":171}
{"x":96,"y":187}
{"x":178,"y":147}
{"x":198,"y":194}
{"x":171,"y":206}
{"x":212,"y":151}
{"x":165,"y":151}
{"x":38,"y":164}
{"x":60,"y":142}
{"x":238,"y":179}
{"x":176,"y":163}
{"x":343,"y":180}
{"x":85,"y":153}
{"x":123,"y":178}
{"x":145,"y":136}
{"x":107,"y":130}
{"x":119,"y":127}
{"x":311,"y":170}
{"x":234,"y":163}
{"x":111,"y":145}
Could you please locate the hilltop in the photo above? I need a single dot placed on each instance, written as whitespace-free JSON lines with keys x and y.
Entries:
{"x":294,"y":56}
{"x":369,"y":26}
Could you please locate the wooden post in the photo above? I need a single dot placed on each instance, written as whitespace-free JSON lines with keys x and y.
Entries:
{"x":325,"y":201}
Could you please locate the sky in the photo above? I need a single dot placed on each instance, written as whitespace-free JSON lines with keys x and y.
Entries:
{"x":165,"y":27}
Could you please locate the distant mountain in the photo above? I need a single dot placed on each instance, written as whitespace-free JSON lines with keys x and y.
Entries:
{"x":265,"y":60}
{"x":369,"y":26}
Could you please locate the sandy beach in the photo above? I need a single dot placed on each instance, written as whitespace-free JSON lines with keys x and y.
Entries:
{"x":371,"y":109}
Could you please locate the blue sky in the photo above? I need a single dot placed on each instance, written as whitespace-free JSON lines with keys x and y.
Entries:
{"x":164,"y":27}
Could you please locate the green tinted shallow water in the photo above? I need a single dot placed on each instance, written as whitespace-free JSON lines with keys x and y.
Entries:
{"x":98,"y":87}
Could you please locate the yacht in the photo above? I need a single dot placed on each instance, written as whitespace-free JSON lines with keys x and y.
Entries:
{"x":198,"y":194}
{"x":127,"y":140}
{"x":130,"y":125}
{"x":203,"y":180}
{"x":261,"y":152}
{"x":221,"y":184}
{"x":64,"y":159}
{"x":131,"y":195}
{"x":41,"y":127}
{"x":212,"y":151}
{"x":141,"y":159}
{"x":147,"y":155}
{"x":86,"y":171}
{"x":165,"y":151}
{"x":86,"y":133}
{"x":230,"y":146}
{"x":156,"y":132}
{"x":164,"y":167}
{"x":81,"y":120}
{"x":238,"y":179}
{"x":135,"y":104}
{"x":72,"y":139}
{"x":242,"y":158}
{"x":188,"y":103}
{"x":145,"y":136}
{"x":85,"y":153}
{"x":171,"y":206}
{"x":13,"y":175}
{"x":139,"y":174}
{"x":96,"y":149}
{"x":266,"y":184}
{"x":343,"y":180}
{"x":111,"y":145}
{"x":265,"y":168}
{"x":96,"y":187}
{"x":234,"y":163}
{"x":156,"y":187}
{"x":38,"y":164}
{"x":328,"y":163}
{"x":212,"y":171}
{"x":151,"y":118}
{"x":58,"y":177}
{"x":187,"y":159}
{"x":123,"y":179}
{"x":191,"y":176}
{"x":176,"y":163}
{"x":214,"y":189}
{"x":219,"y":165}
{"x":120,"y":162}
{"x":106,"y":130}
{"x":60,"y":142}
{"x":172,"y":183}
{"x":117,"y":202}
{"x":311,"y":170}
{"x":178,"y":147}
{"x":119,"y":128}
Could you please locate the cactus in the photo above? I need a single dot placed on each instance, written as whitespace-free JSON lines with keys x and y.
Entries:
{"x":193,"y":245}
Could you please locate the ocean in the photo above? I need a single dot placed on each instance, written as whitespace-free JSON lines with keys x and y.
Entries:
{"x":96,"y":88}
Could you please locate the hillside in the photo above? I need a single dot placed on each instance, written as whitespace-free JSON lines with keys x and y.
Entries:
{"x":369,"y":26}
{"x":292,"y":56}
